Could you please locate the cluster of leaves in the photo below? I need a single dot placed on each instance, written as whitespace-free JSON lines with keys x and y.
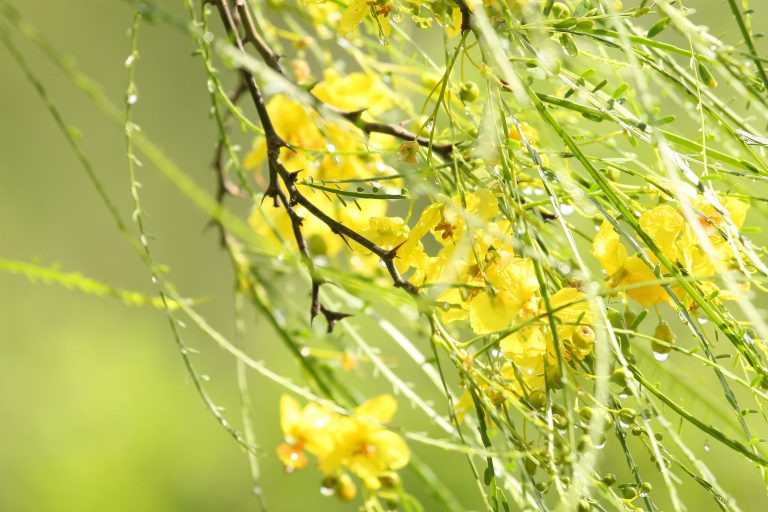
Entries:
{"x":509,"y":178}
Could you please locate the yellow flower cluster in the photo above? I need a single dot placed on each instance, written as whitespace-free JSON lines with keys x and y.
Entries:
{"x":323,"y":150}
{"x":678,"y":240}
{"x":485,"y":282}
{"x":359,"y":443}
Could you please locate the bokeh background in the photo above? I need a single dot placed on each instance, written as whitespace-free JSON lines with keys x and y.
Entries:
{"x":96,"y":411}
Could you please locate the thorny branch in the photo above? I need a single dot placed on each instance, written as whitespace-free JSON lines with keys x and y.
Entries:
{"x":282,"y":183}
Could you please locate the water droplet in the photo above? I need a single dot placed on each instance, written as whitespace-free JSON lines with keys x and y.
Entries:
{"x":154,"y":280}
{"x":706,"y":446}
{"x":661,"y":357}
{"x":205,"y":378}
{"x":600,"y":443}
{"x":305,"y":352}
{"x":327,"y":491}
{"x":208,"y":37}
{"x":567,"y":209}
{"x":131,"y":58}
{"x":624,"y":424}
{"x":257,"y":490}
{"x":132,"y":99}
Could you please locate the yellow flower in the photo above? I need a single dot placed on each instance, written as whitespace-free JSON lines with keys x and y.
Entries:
{"x":359,"y":443}
{"x":359,"y":9}
{"x":316,"y":142}
{"x":676,"y":240}
{"x":275,"y":223}
{"x":530,"y":133}
{"x":364,"y":446}
{"x":304,"y":429}
{"x":514,"y":281}
{"x":353,"y":92}
{"x":532,"y":349}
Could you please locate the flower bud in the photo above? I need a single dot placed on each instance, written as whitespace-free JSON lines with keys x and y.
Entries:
{"x":665,"y":338}
{"x":469,"y":92}
{"x":584,"y":337}
{"x":346,"y":488}
{"x":408,"y":151}
{"x":560,"y":10}
{"x":629,"y":493}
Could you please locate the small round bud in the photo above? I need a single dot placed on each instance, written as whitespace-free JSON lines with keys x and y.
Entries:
{"x":609,"y":479}
{"x":621,"y":377}
{"x":665,"y":338}
{"x":583,"y":337}
{"x":629,"y":493}
{"x":560,"y":10}
{"x":627,"y":415}
{"x":583,"y":506}
{"x":408,"y":151}
{"x":586,"y":414}
{"x":584,"y":443}
{"x":469,"y":92}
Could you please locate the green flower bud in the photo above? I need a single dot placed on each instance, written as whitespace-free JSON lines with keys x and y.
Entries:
{"x":629,"y":493}
{"x":584,"y":443}
{"x":627,"y":415}
{"x":560,"y":10}
{"x":663,"y":333}
{"x":621,"y":377}
{"x":609,"y":479}
{"x":586,"y":414}
{"x":469,"y":92}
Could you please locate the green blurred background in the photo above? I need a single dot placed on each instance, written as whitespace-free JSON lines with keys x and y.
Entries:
{"x":96,"y":411}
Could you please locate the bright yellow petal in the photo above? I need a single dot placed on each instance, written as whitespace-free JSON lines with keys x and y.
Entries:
{"x":663,"y":224}
{"x":290,"y":411}
{"x":491,"y":313}
{"x":380,"y":409}
{"x":608,"y":249}
{"x":353,"y":15}
{"x":638,"y":272}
